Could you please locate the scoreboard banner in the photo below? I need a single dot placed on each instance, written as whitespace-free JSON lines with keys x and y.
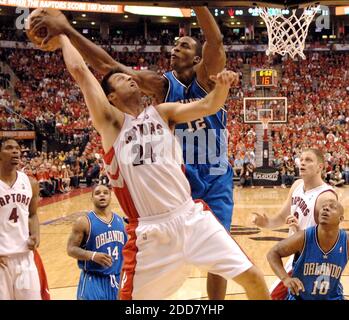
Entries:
{"x":18,"y":135}
{"x":65,"y":5}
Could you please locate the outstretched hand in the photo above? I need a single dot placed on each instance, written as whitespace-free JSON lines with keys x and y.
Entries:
{"x":260,"y":220}
{"x":225,"y":78}
{"x":55,"y":24}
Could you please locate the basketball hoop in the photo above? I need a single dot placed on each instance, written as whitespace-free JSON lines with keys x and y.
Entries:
{"x":265,"y":123}
{"x":287,"y":34}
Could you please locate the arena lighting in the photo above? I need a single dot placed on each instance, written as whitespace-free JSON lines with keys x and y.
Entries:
{"x":64,"y":5}
{"x":341,"y":11}
{"x":158,"y":11}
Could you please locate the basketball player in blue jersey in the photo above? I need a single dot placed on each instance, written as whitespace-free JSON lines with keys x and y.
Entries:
{"x":322,"y":256}
{"x":96,"y":242}
{"x":207,"y":168}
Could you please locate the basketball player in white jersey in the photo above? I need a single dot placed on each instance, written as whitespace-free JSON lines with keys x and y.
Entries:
{"x":19,"y":228}
{"x":301,"y":208}
{"x":167,"y":230}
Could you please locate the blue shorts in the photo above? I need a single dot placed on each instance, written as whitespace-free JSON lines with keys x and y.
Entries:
{"x":93,"y":286}
{"x":215,"y":190}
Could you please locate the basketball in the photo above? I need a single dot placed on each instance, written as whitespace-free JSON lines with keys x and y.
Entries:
{"x":40,"y":35}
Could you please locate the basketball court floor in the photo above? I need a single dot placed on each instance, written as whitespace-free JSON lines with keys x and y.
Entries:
{"x":57,"y":215}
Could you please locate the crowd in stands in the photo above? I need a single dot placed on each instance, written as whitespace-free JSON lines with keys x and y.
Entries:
{"x":60,"y":172}
{"x":318,"y":114}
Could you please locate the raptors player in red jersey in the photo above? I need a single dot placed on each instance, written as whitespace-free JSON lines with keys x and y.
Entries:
{"x":167,"y":230}
{"x":20,"y":278}
{"x":301,"y":208}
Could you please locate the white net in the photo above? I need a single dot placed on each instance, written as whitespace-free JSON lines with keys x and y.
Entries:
{"x":287,"y":34}
{"x":265,"y":123}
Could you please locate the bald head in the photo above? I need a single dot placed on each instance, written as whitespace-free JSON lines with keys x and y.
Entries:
{"x":331,"y":212}
{"x":340,"y":209}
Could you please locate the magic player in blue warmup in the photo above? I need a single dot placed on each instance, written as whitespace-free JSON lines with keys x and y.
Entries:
{"x":207,"y":167}
{"x":321,"y":256}
{"x":96,"y":241}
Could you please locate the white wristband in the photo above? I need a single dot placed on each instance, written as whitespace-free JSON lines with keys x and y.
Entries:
{"x":93,"y":256}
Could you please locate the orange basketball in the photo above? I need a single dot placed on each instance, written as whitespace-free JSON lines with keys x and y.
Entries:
{"x":40,"y":35}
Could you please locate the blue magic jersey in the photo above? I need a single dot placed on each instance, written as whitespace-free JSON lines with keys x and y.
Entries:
{"x":106,"y":238}
{"x":320,"y":272}
{"x":208,"y":136}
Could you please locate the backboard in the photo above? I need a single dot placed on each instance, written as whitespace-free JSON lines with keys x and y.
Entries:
{"x":258,"y":108}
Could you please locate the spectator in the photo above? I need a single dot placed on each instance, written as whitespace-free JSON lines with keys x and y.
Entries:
{"x":287,"y":173}
{"x":45,"y":184}
{"x":336,"y":178}
{"x":92,"y":172}
{"x":66,"y":175}
{"x":238,"y":165}
{"x":345,"y":171}
{"x":246,"y":175}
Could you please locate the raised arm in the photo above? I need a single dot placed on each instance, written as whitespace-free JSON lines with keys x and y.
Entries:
{"x":106,"y":119}
{"x":213,"y":53}
{"x":149,"y":82}
{"x":174,"y":113}
{"x":79,"y":234}
{"x":263,"y":221}
{"x":34,"y":225}
{"x":283,"y":249}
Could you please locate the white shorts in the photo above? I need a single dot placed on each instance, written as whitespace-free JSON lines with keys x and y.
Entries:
{"x":160,"y":250}
{"x":19,"y":280}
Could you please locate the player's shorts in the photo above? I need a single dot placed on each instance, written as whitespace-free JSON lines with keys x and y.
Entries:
{"x":215,"y":189}
{"x":19,"y":279}
{"x":94,"y":286}
{"x":161,"y":249}
{"x":278,"y":290}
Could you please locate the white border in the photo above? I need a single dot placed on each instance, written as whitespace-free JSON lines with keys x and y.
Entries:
{"x":265,"y":98}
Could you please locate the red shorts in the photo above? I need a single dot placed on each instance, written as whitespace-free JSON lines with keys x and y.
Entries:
{"x":280,"y":292}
